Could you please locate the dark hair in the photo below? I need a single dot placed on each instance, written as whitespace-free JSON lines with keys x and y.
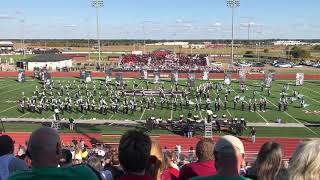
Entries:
{"x":134,"y":151}
{"x":204,"y":149}
{"x":6,"y":144}
{"x":66,"y":154}
{"x":268,"y":161}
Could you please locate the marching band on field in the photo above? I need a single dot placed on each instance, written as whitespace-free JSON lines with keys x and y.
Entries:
{"x":75,"y":96}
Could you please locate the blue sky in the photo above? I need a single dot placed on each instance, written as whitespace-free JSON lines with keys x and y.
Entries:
{"x":159,"y":19}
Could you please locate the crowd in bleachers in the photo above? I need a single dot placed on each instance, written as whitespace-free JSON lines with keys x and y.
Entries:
{"x":167,"y":61}
{"x":139,"y":157}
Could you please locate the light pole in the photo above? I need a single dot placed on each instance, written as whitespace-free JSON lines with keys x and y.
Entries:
{"x":98,"y":4}
{"x":232,"y":4}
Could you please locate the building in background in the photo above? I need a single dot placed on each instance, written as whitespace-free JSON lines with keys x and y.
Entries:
{"x":289,"y":43}
{"x":6,"y":46}
{"x":52,"y":62}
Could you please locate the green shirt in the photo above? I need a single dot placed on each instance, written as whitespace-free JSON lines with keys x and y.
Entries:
{"x":219,"y":177}
{"x":78,"y":172}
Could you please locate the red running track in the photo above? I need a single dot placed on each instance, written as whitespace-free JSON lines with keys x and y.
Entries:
{"x":170,"y":141}
{"x":252,"y":149}
{"x":66,"y":138}
{"x":184,"y":75}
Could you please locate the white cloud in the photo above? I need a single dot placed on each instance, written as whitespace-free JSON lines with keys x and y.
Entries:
{"x":71,"y":25}
{"x":6,"y":17}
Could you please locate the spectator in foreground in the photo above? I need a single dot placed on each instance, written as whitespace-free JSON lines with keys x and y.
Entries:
{"x":44,"y":148}
{"x":268,"y":165}
{"x":95,"y":163}
{"x":205,"y":164}
{"x":170,"y":169}
{"x":155,"y":165}
{"x":305,"y":161}
{"x":66,"y":158}
{"x":134,"y":155}
{"x":9,"y":163}
{"x":229,"y":156}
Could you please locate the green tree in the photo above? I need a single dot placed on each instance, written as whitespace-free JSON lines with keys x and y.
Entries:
{"x":266,"y":50}
{"x":317,"y":47}
{"x":298,"y":52}
{"x":249,"y":52}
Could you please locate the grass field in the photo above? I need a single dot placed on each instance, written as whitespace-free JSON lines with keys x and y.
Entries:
{"x":10,"y":92}
{"x":104,"y":129}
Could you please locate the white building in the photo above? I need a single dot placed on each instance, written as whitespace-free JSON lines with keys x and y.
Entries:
{"x":169,"y":44}
{"x":6,"y":45}
{"x":289,"y":43}
{"x":197,"y":46}
{"x":51,"y":61}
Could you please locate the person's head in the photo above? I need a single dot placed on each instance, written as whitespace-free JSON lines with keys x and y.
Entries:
{"x":6,"y":144}
{"x":44,"y":147}
{"x":229,"y":155}
{"x":66,"y":157}
{"x":155,"y":165}
{"x":268,"y":161}
{"x":134,"y":151}
{"x":204,"y":150}
{"x":167,"y":159}
{"x":305,"y":161}
{"x":95,"y":163}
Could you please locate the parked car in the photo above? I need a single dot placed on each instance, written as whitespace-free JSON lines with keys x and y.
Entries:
{"x":216,"y":64}
{"x":284,"y":65}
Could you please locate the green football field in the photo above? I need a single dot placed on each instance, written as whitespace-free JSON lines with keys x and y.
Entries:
{"x":11,"y":91}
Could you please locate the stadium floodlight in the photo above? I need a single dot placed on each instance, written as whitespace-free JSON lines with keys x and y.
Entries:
{"x":232,"y":4}
{"x":98,"y":4}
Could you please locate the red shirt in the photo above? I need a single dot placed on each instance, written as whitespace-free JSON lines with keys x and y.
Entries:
{"x":134,"y":177}
{"x":170,"y":174}
{"x":203,"y":168}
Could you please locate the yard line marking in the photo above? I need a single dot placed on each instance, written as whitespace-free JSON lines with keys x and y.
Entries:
{"x":171,"y":110}
{"x":111,"y":117}
{"x":201,"y":115}
{"x":292,"y":117}
{"x":8,"y":109}
{"x":16,"y":89}
{"x":24,"y":115}
{"x":7,"y":86}
{"x":301,"y":123}
{"x":229,"y":113}
{"x":142,"y":114}
{"x":81,"y":116}
{"x":310,"y":90}
{"x":267,"y":122}
{"x":312,"y":99}
{"x":263,"y":118}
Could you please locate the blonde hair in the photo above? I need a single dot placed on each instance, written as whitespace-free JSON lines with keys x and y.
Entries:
{"x":155,"y":166}
{"x":305,"y":162}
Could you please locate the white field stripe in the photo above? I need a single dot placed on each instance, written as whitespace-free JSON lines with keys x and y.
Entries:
{"x":3,"y":87}
{"x":142,"y":114}
{"x":312,"y":99}
{"x":301,"y":123}
{"x":267,"y":122}
{"x":311,"y":90}
{"x":8,"y":109}
{"x":16,"y":89}
{"x":171,"y":110}
{"x":24,"y":115}
{"x":81,"y":116}
{"x":263,"y":118}
{"x":229,"y":113}
{"x":293,"y":118}
{"x":111,"y":117}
